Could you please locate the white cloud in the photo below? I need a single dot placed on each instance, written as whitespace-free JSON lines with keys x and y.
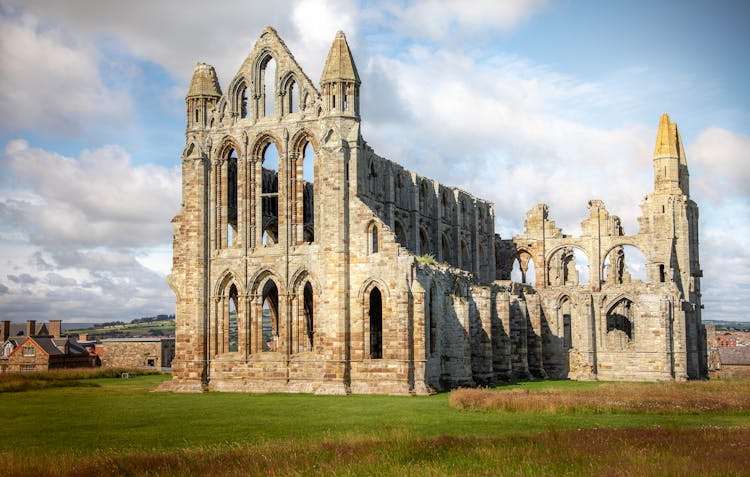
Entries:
{"x":100,"y":199}
{"x":721,"y":159}
{"x":505,"y":120}
{"x":51,"y":84}
{"x":433,"y":19}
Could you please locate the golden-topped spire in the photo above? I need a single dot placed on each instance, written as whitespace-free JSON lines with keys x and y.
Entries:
{"x":340,"y":64}
{"x":667,"y":138}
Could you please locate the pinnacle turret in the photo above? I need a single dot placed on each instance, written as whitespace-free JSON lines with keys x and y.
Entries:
{"x":204,"y":82}
{"x":670,"y":165}
{"x":340,"y":63}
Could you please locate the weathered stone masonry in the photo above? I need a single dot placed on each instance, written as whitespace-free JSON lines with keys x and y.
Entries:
{"x":305,"y":262}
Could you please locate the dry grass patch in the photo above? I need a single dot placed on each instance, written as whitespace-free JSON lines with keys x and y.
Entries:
{"x":689,"y":397}
{"x":600,"y":452}
{"x":18,"y":382}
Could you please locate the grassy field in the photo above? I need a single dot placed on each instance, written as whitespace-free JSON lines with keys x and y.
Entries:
{"x":113,"y":426}
{"x":128,"y":330}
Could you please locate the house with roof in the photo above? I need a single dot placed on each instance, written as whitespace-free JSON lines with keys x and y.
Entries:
{"x":730,"y":362}
{"x":41,"y":348}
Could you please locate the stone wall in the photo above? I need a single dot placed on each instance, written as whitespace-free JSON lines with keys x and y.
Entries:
{"x":395,"y":283}
{"x":133,"y":353}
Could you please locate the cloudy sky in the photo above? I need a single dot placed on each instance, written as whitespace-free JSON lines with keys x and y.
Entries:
{"x":517,"y":101}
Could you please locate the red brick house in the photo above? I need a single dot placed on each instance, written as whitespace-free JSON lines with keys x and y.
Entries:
{"x":38,"y":349}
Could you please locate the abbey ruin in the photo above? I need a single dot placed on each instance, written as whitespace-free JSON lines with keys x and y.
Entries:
{"x":305,"y":262}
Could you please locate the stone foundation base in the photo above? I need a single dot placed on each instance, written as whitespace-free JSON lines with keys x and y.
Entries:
{"x":181,"y":386}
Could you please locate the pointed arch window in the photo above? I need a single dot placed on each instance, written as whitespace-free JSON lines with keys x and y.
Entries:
{"x":243,"y":108}
{"x":565,"y":311}
{"x":309,"y":315}
{"x":374,"y":238}
{"x":268,"y":80}
{"x":270,"y":195}
{"x":376,"y":324}
{"x":308,"y":193}
{"x":232,"y":336}
{"x":231,"y":188}
{"x":270,"y":317}
{"x":291,"y":96}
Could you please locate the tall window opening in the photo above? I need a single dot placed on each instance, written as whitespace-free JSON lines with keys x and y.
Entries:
{"x":374,"y":238}
{"x":624,"y":264}
{"x":445,"y":245}
{"x":270,"y":195}
{"x":376,"y":324}
{"x":400,"y":234}
{"x":308,"y":193}
{"x":432,"y":316}
{"x":465,"y":256}
{"x":243,"y":106}
{"x":662,"y":275}
{"x":231,"y":197}
{"x":620,"y":325}
{"x":270,"y":318}
{"x":232,"y":334}
{"x":309,"y":315}
{"x":268,"y":71}
{"x":292,"y":97}
{"x":567,"y":337}
{"x":424,"y":242}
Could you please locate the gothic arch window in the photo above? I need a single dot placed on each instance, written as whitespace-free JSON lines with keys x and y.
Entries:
{"x":565,"y":315}
{"x":445,"y":244}
{"x":424,"y":197}
{"x":568,"y":266}
{"x":309,"y":310}
{"x":270,"y":195}
{"x":242,"y":102}
{"x":375,"y":314}
{"x":624,"y":264}
{"x":232,"y":335}
{"x":620,"y":323}
{"x":424,"y":241}
{"x":292,"y":97}
{"x":400,"y":233}
{"x":523,"y":269}
{"x":268,"y":80}
{"x":373,"y":238}
{"x":270,"y":317}
{"x":308,"y":192}
{"x":465,"y":256}
{"x":231,"y":197}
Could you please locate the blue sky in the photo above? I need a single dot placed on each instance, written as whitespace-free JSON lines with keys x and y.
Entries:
{"x":518,"y":102}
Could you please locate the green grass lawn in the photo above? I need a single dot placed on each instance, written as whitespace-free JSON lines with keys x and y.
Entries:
{"x":123,"y":419}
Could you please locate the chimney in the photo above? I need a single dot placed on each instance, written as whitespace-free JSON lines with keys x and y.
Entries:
{"x":55,"y":326}
{"x":30,"y":328}
{"x":4,"y":330}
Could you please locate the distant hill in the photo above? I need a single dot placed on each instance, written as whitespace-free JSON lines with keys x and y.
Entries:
{"x":729,"y":325}
{"x":148,"y":327}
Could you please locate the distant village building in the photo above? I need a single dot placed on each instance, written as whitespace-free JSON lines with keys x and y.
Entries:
{"x":730,"y":362}
{"x":137,"y":352}
{"x":34,"y":348}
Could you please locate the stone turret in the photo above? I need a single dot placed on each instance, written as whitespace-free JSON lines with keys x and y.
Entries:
{"x":202,"y":95}
{"x":670,"y":166}
{"x":340,"y":80}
